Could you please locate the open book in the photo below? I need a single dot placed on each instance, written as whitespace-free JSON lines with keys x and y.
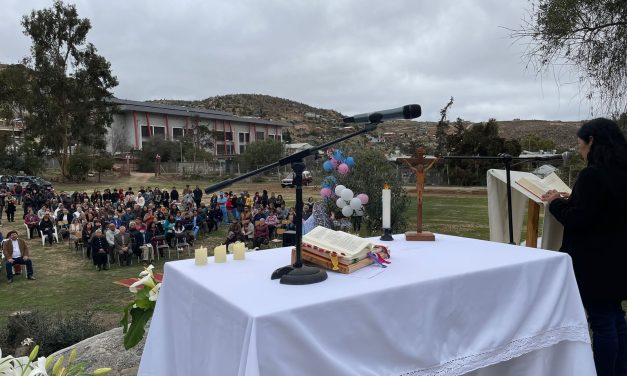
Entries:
{"x":538,"y":186}
{"x":349,"y":248}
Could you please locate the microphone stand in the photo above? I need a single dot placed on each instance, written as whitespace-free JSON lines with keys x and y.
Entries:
{"x":507,"y":160}
{"x":296,"y":274}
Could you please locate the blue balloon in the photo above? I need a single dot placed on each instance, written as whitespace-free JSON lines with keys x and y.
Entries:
{"x":327,"y":166}
{"x":338,"y":155}
{"x":350,"y":161}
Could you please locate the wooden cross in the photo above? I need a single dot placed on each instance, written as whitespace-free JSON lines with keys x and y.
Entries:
{"x":419,"y":165}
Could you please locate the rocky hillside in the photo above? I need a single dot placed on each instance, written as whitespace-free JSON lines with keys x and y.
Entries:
{"x":315,"y":125}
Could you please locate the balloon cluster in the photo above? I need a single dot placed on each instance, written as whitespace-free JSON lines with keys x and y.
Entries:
{"x":337,"y":161}
{"x":346,"y":200}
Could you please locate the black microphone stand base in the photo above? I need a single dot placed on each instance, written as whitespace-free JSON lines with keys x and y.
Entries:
{"x":304,"y":275}
{"x":387,"y":235}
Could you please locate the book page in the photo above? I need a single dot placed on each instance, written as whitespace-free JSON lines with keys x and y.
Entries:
{"x":554,"y":182}
{"x":339,"y":241}
{"x":536,"y":187}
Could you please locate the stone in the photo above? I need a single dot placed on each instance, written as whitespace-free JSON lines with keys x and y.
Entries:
{"x":106,"y":350}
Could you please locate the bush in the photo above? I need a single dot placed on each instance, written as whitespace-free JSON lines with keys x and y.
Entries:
{"x":78,"y":166}
{"x":371,"y":171}
{"x":50,"y":332}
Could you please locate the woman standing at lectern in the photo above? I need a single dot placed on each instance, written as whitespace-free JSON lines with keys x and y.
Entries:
{"x":595,"y":236}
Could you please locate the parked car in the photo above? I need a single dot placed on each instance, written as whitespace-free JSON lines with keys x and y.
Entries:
{"x":8,"y":180}
{"x":34,"y":181}
{"x":289,"y":181}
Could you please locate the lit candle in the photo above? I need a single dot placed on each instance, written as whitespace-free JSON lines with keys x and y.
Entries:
{"x":239,"y":251}
{"x":387,"y":206}
{"x":201,"y":256}
{"x":219,"y":253}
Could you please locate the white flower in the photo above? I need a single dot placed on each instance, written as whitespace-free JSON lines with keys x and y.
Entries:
{"x":20,"y":367}
{"x":39,"y":368}
{"x":147,"y":271}
{"x":153,"y":294}
{"x":27,"y":342}
{"x":6,"y":365}
{"x":147,"y":281}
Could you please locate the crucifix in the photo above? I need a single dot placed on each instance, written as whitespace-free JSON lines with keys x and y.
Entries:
{"x":419,"y":165}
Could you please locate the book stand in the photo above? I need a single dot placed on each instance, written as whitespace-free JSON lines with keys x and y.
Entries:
{"x":534,"y":208}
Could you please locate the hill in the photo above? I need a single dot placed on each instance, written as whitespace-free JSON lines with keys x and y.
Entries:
{"x":316,"y":125}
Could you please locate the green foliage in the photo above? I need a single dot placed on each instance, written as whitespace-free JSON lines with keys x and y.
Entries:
{"x":69,"y":82}
{"x":78,"y":166}
{"x":588,"y":35}
{"x":260,"y":153}
{"x":372,"y":170}
{"x":534,"y":142}
{"x":168,"y":150}
{"x":52,"y":331}
{"x":478,"y":140}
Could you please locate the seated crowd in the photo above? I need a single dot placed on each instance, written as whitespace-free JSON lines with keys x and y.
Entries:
{"x":122,"y":223}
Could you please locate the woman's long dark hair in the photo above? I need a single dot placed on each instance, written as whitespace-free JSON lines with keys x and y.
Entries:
{"x":609,"y":147}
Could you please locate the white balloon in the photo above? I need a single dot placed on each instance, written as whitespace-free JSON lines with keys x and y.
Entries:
{"x":340,"y":203}
{"x":339,"y":189}
{"x":359,"y":212}
{"x":355,"y":203}
{"x":347,"y":194}
{"x":347,"y":211}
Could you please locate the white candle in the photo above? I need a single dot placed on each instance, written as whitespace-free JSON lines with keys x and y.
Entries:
{"x":387,"y":207}
{"x":219,"y":253}
{"x":239,"y":251}
{"x":201,"y":256}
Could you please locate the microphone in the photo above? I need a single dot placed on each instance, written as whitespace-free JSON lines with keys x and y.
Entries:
{"x":410,"y":111}
{"x":565,"y":156}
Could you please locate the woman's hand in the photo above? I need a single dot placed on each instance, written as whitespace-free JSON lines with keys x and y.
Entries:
{"x":553,"y":194}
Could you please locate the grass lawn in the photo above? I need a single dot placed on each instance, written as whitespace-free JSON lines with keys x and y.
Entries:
{"x":67,"y":281}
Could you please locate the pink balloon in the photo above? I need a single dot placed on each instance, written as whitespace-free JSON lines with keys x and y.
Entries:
{"x":343,"y":169}
{"x":326,"y":192}
{"x":334,"y":162}
{"x":363,"y":198}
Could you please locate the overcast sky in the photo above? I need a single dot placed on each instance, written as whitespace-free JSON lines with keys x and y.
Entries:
{"x":352,"y":56}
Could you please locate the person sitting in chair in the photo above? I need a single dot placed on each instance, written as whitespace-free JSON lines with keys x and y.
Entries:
{"x":46,"y":227}
{"x":16,"y":253}
{"x":123,"y":245}
{"x":99,"y":248}
{"x":32,"y":221}
{"x":262,"y":233}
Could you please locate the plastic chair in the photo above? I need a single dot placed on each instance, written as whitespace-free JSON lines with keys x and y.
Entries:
{"x":161,"y":243}
{"x":181,"y":244}
{"x":28,"y":231}
{"x":55,"y":235}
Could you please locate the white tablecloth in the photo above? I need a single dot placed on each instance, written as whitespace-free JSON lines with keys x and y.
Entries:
{"x":447,"y":307}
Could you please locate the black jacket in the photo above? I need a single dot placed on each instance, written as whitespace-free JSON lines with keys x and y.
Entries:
{"x":595,"y":233}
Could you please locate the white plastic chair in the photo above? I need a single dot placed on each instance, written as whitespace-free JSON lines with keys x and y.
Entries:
{"x":55,"y":235}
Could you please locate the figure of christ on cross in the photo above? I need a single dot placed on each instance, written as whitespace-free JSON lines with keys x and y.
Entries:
{"x":419,"y":165}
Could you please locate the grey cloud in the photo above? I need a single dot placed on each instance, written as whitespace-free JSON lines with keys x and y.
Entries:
{"x":351,"y":56}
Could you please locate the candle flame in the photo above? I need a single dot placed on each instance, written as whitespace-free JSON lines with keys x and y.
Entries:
{"x":386,"y":186}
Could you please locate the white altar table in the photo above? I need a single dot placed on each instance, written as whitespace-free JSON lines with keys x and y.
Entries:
{"x":450,"y":307}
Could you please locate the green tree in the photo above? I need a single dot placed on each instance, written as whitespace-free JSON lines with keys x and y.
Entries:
{"x":78,"y":166}
{"x":477,"y":140}
{"x":372,"y":170}
{"x":168,"y":150}
{"x":102,"y":163}
{"x":70,"y":82}
{"x":260,"y":153}
{"x":197,"y":140}
{"x":589,"y":35}
{"x":532,"y":142}
{"x":440,"y":133}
